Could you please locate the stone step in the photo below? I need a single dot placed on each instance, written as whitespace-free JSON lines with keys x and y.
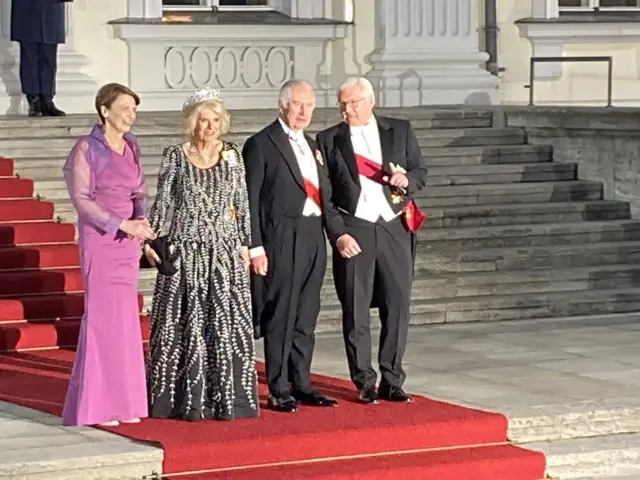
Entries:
{"x":244,"y":125}
{"x":487,"y":154}
{"x":155,"y":144}
{"x":603,"y":457}
{"x":500,"y":174}
{"x":436,"y":195}
{"x":465,"y":137}
{"x":526,"y":258}
{"x":240,"y":131}
{"x":506,"y":307}
{"x":442,"y":179}
{"x":519,"y":192}
{"x":526,"y":213}
{"x":490,"y":308}
{"x":51,"y":166}
{"x":593,"y":418}
{"x":420,"y":117}
{"x":483,"y":215}
{"x":36,"y":447}
{"x":632,"y":476}
{"x":537,"y":234}
{"x":427,"y":286}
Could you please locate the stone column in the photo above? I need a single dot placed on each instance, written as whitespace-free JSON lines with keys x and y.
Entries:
{"x":427,"y":54}
{"x":307,"y":8}
{"x":147,"y":9}
{"x":75,"y":90}
{"x":10,"y":92}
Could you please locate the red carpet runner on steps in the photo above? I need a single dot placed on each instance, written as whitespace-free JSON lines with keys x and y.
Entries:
{"x":40,"y":306}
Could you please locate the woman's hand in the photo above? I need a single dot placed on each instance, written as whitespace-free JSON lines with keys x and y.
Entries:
{"x":138,"y":229}
{"x":151,"y":255}
{"x":244,"y":253}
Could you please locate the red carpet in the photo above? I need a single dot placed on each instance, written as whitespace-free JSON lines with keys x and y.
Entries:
{"x":41,"y":299}
{"x":40,"y":306}
{"x":38,"y":380}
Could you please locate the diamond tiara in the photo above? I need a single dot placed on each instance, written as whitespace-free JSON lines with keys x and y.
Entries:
{"x":204,"y":95}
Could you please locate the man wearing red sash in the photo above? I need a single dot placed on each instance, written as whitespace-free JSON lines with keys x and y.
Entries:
{"x":375,"y":168}
{"x":286,"y":182}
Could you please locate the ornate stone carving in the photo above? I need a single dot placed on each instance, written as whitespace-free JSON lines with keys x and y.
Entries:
{"x":228,"y":67}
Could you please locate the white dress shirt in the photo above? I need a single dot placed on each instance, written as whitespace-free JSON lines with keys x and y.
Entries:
{"x":307,"y":164}
{"x":372,"y":203}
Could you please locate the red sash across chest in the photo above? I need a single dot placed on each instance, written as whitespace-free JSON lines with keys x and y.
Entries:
{"x":312,"y":192}
{"x":411,"y":215}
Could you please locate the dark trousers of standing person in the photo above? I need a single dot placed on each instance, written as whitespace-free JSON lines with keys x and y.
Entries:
{"x":38,"y":66}
{"x":384,"y":269}
{"x":297,"y":265}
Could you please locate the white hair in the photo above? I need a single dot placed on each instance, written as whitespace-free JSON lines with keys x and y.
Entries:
{"x":285,"y":91}
{"x":361,"y":82}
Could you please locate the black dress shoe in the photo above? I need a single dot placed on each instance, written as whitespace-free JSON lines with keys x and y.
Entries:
{"x":283,"y":404}
{"x":35,"y":106}
{"x":393,"y":394}
{"x":49,"y":108}
{"x":313,"y":399}
{"x":368,"y":395}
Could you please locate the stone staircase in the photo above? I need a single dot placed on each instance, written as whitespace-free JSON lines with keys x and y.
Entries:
{"x":510,"y":234}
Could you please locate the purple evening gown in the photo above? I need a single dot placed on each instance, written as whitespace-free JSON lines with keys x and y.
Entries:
{"x":108,"y":377}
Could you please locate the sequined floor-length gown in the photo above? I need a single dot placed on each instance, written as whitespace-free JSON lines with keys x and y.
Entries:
{"x":108,"y":378}
{"x":201,"y":350}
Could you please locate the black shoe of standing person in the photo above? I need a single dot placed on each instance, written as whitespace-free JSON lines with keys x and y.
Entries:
{"x":35,"y":105}
{"x":393,"y":394}
{"x":286,"y":404}
{"x":313,"y":399}
{"x":368,"y":395}
{"x":49,"y":108}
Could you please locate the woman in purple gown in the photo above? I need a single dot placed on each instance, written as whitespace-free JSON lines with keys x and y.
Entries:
{"x":106,"y":184}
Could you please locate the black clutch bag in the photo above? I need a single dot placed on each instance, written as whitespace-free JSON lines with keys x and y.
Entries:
{"x":167,"y":254}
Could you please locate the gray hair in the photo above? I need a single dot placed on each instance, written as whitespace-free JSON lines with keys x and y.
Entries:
{"x":285,"y":91}
{"x":361,"y":82}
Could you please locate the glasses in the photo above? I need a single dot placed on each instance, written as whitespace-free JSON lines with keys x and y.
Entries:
{"x":353,"y":103}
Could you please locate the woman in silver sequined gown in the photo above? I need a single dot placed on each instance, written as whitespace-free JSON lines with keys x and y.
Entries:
{"x":201,"y":351}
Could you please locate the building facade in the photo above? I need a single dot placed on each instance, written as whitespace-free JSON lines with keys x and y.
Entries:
{"x":415,"y":52}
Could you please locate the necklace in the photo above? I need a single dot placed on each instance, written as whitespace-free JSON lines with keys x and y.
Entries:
{"x":207,"y":160}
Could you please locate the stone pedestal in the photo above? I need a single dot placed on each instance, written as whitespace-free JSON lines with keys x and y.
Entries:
{"x":427,"y":54}
{"x":75,"y":89}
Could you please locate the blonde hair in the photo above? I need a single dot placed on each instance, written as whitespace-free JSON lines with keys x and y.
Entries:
{"x":190,"y":117}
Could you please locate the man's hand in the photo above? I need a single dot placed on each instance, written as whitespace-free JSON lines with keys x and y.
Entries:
{"x":347,"y":246}
{"x":398,"y":177}
{"x":260,"y":265}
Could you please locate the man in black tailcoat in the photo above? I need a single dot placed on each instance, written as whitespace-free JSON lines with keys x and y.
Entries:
{"x":39,"y":27}
{"x":375,"y":168}
{"x":289,"y":196}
